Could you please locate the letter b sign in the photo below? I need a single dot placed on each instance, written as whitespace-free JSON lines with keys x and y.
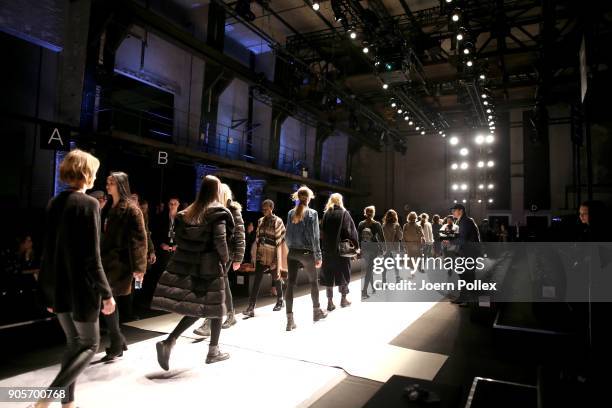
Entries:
{"x":162,"y":158}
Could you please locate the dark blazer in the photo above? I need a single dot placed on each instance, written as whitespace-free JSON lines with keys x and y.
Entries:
{"x":237,"y":244}
{"x":71,"y":276}
{"x":124,"y":246}
{"x":468,"y":233}
{"x":192,"y":284}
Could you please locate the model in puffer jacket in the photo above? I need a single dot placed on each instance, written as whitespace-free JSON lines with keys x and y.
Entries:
{"x":193,"y":284}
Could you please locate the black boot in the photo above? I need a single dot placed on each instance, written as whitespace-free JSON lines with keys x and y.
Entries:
{"x":290,"y":323}
{"x":163,"y":352}
{"x":279,"y":305}
{"x":113,"y":352}
{"x":330,"y":305}
{"x":364,"y":294}
{"x":249,"y":311}
{"x":318,"y":314}
{"x":215,"y":355}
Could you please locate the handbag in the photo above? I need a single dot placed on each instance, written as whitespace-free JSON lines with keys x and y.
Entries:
{"x":345,"y":247}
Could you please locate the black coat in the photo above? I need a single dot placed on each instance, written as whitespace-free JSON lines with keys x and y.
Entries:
{"x":71,"y":275}
{"x":467,"y":236}
{"x":336,"y":270}
{"x":192,"y":284}
{"x":124,"y":246}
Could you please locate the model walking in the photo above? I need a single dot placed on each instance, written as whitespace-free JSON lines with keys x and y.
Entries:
{"x":123,"y":250}
{"x":304,"y":251}
{"x":268,"y":256}
{"x":370,"y":231}
{"x":72,"y":280}
{"x":392,"y":232}
{"x":337,"y":225}
{"x":193,"y":284}
{"x":236,"y":248}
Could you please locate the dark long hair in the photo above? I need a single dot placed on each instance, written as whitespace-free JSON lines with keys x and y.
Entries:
{"x":123,"y":185}
{"x":210,"y":193}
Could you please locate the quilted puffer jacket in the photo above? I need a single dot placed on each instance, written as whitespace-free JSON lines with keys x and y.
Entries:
{"x":192,"y":284}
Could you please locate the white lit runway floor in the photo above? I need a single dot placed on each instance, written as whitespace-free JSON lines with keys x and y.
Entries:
{"x":269,"y":367}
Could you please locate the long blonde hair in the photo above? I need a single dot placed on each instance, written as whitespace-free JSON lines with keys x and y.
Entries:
{"x":210,"y":193}
{"x":302,"y":196}
{"x":227,"y":197}
{"x":334,"y":199}
{"x":390,"y":217}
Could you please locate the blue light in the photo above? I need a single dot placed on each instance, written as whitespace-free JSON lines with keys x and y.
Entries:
{"x":202,"y":170}
{"x":255,"y":193}
{"x":58,"y":186}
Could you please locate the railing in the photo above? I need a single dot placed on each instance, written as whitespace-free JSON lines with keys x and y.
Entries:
{"x":170,"y":125}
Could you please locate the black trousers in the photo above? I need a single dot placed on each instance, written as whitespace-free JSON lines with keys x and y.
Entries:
{"x":260,"y":269}
{"x":302,"y":258}
{"x":113,"y":326}
{"x":83,"y":339}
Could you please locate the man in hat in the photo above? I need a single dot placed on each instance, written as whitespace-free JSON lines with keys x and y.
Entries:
{"x":466,"y":243}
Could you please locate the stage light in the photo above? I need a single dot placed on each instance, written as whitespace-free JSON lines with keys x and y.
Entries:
{"x":423,"y":133}
{"x":469,"y":63}
{"x":490,"y":201}
{"x":492,"y":128}
{"x":406,"y":118}
{"x":479,"y":201}
{"x":456,"y":16}
{"x":454,"y":166}
{"x":385,"y":86}
{"x":418,"y":128}
{"x":464,"y":187}
{"x":466,"y":51}
{"x":411,"y":123}
{"x":480,"y":139}
{"x":482,"y":76}
{"x":480,"y":164}
{"x":454,"y":140}
{"x":399,"y":111}
{"x":464,"y":166}
{"x":366,"y":50}
{"x":353,"y":35}
{"x":491,"y":123}
{"x":489,"y":111}
{"x":485,"y":103}
{"x":481,"y":186}
{"x":440,"y":132}
{"x":490,"y":163}
{"x":443,"y":135}
{"x":449,"y":1}
{"x":484,"y":96}
{"x":464,"y":151}
{"x":455,"y":201}
{"x":393,"y":104}
{"x":459,"y":37}
{"x":455,"y":187}
{"x":490,"y":139}
{"x":376,"y":63}
{"x":464,"y":201}
{"x":316,"y":6}
{"x":490,"y":186}
{"x":490,"y":117}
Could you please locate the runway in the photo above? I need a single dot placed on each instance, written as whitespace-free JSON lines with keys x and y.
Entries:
{"x":269,"y":367}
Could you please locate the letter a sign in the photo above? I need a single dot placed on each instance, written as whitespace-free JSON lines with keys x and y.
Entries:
{"x":54,"y":138}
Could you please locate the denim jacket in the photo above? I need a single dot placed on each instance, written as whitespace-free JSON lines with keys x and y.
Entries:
{"x":305,"y":234}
